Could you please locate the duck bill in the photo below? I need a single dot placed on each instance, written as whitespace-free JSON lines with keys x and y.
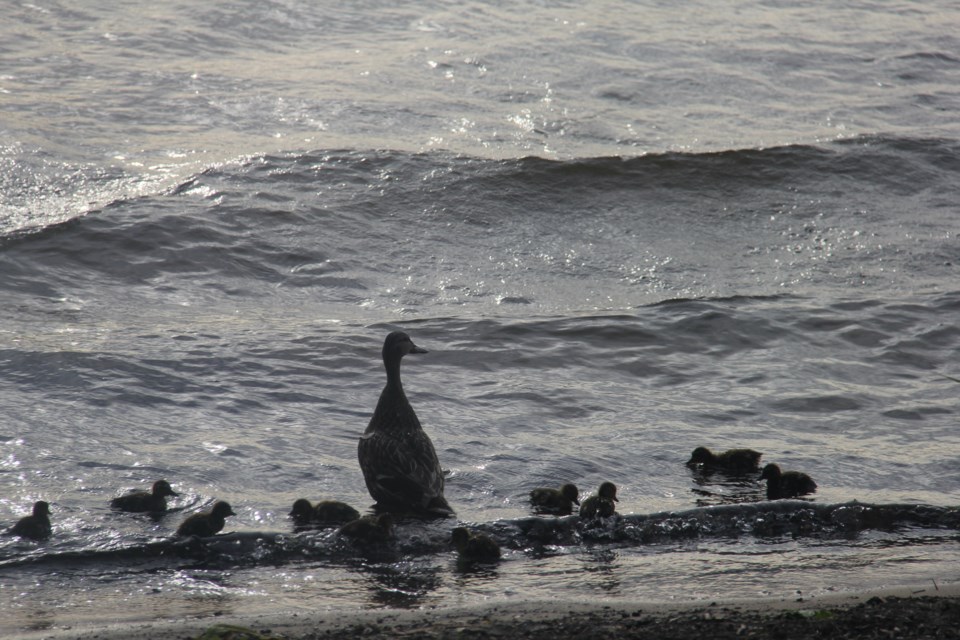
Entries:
{"x":417,"y":349}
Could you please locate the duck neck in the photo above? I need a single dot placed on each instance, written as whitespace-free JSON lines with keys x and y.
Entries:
{"x":393,"y":375}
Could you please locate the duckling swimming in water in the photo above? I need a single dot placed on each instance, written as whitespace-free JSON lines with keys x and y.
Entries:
{"x":400,"y":466}
{"x":474,"y":546}
{"x":206,"y":523}
{"x":375,"y":528}
{"x":786,"y":484}
{"x":324,"y":512}
{"x":556,"y":501}
{"x":731,"y":461}
{"x":600,"y":505}
{"x":140,"y":501}
{"x":35,"y":526}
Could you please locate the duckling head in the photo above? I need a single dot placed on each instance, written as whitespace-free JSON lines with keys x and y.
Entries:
{"x":571,"y":493}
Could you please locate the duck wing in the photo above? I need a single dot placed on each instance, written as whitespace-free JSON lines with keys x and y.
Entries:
{"x":401,"y":469}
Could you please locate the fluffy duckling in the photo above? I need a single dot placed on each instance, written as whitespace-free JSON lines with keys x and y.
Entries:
{"x":35,"y":526}
{"x":206,"y":523}
{"x":731,"y":461}
{"x":786,"y":484}
{"x":600,"y":505}
{"x":400,"y":466}
{"x":302,"y":512}
{"x":557,"y":501}
{"x":474,"y":546}
{"x":324,"y":512}
{"x":374,"y":528}
{"x":334,"y":512}
{"x":140,"y":501}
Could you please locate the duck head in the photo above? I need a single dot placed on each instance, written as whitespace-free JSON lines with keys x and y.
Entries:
{"x":162,"y":489}
{"x":399,"y":344}
{"x":608,"y":490}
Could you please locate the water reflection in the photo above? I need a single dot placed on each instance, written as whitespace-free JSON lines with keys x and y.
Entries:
{"x":402,"y":586}
{"x":603,"y":568}
{"x":716,"y":488}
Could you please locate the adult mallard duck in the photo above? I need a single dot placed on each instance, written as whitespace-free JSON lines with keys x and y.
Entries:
{"x":399,"y":464}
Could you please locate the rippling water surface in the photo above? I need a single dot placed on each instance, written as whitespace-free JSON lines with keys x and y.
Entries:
{"x":621,"y":230}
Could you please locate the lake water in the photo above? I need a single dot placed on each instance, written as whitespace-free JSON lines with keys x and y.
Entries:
{"x":621,"y":229}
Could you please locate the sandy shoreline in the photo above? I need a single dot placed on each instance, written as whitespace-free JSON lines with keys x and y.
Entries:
{"x":919,"y":611}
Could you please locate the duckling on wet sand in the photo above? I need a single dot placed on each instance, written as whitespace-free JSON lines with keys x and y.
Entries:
{"x":786,"y":484}
{"x":731,"y":461}
{"x":35,"y":526}
{"x":324,"y":512}
{"x":400,"y":466}
{"x":140,"y":501}
{"x":474,"y":546}
{"x":206,"y":523}
{"x":600,"y":505}
{"x":374,"y":528}
{"x":556,"y":501}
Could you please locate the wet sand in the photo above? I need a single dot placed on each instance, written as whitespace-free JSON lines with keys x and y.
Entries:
{"x":922,"y":611}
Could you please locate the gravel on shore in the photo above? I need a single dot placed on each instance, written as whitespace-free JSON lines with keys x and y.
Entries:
{"x":904,"y":614}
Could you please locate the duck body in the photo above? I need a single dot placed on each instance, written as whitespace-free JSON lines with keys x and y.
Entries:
{"x":324,"y":512}
{"x":786,"y":484}
{"x":206,"y":523}
{"x":730,"y":461}
{"x":555,"y":501}
{"x":474,"y":546}
{"x":601,"y":505}
{"x":141,"y":501}
{"x":334,"y":512}
{"x":374,"y":528}
{"x":400,"y":466}
{"x":35,"y":526}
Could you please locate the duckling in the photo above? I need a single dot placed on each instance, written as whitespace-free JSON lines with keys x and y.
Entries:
{"x":474,"y":546}
{"x":35,"y":526}
{"x":139,"y":501}
{"x":206,"y":523}
{"x":600,"y":505}
{"x":374,"y":528}
{"x":732,"y":461}
{"x":786,"y":484}
{"x":557,"y":501}
{"x":302,"y":513}
{"x":334,"y":512}
{"x":400,"y":466}
{"x":324,"y":512}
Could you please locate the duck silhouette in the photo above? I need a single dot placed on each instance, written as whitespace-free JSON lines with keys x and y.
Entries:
{"x":556,"y":501}
{"x":206,"y":523}
{"x":324,"y":512}
{"x":35,"y":526}
{"x":731,"y":461}
{"x":140,"y":501}
{"x":474,"y":546}
{"x":372,"y":528}
{"x":600,"y":505}
{"x":400,"y":466}
{"x":786,"y":484}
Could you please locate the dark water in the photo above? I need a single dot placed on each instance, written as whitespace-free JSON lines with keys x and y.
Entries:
{"x":202,"y":251}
